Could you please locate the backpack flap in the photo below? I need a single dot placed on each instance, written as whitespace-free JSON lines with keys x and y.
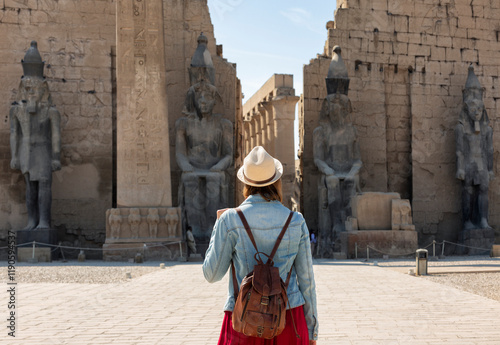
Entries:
{"x":266,"y":280}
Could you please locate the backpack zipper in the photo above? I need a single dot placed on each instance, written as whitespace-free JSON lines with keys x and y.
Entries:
{"x":246,"y":304}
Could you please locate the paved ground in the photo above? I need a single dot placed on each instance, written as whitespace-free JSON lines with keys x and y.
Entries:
{"x":359,"y":304}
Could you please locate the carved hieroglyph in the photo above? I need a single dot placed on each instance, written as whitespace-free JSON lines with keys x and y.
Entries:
{"x":145,"y":225}
{"x":143,"y":170}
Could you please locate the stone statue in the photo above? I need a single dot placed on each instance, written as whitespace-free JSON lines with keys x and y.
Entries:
{"x":172,"y":220}
{"x":474,"y":145}
{"x":115,"y":222}
{"x":401,"y":215}
{"x":153,"y":219}
{"x":190,"y":240}
{"x":204,"y":151}
{"x":134,"y":219}
{"x":35,"y":139}
{"x":336,"y":155}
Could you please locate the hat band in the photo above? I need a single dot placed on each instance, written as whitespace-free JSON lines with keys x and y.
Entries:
{"x":259,"y":182}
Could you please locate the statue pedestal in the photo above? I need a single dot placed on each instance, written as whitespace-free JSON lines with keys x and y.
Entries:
{"x":43,"y":238}
{"x":153,"y":232}
{"x":390,"y":242}
{"x":480,"y":239}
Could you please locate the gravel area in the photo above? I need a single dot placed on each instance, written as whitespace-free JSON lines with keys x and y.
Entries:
{"x":486,"y":284}
{"x":89,"y":272}
{"x":482,"y":284}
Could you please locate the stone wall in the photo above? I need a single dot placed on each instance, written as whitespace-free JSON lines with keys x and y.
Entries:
{"x":74,"y":38}
{"x":268,"y":121}
{"x":77,"y":39}
{"x":408,"y":62}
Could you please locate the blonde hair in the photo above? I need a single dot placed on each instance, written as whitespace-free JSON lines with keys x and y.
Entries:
{"x":269,"y":193}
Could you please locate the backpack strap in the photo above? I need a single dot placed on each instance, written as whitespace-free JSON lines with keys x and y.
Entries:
{"x":247,"y":227}
{"x":280,"y":237}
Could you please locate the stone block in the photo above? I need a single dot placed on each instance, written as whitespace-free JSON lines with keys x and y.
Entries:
{"x":453,"y":54}
{"x":495,"y":251}
{"x":40,"y":255}
{"x":477,"y":241}
{"x":380,"y":242}
{"x":438,"y":53}
{"x":373,"y":210}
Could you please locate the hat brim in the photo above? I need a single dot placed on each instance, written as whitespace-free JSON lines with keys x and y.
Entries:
{"x":278,"y":168}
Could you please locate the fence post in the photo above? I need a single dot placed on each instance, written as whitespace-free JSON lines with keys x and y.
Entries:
{"x":442,"y":248}
{"x":356,"y":250}
{"x":434,"y":248}
{"x":367,"y":253}
{"x":33,"y":254}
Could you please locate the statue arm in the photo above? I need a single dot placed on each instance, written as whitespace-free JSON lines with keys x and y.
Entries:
{"x":357,"y":163}
{"x":14,"y":140}
{"x":227,"y":147}
{"x":181,"y":146}
{"x":459,"y":139}
{"x":319,"y":154}
{"x":489,"y":151}
{"x":55,"y":123}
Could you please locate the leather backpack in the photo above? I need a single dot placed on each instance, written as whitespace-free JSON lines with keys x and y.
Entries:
{"x":261,"y":301}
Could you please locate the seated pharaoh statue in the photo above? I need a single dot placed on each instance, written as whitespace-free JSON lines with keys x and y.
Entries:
{"x":336,"y":155}
{"x":203,"y":150}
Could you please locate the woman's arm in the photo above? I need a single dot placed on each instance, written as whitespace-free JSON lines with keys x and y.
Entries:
{"x":219,"y":252}
{"x":307,"y":285}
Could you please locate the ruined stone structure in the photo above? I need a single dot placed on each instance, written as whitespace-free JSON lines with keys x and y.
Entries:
{"x":408,"y":63}
{"x":77,"y":40}
{"x":268,"y":121}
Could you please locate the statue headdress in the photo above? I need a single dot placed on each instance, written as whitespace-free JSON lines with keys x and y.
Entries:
{"x":472,"y":83}
{"x":337,"y":80}
{"x":202,"y":67}
{"x":32,"y":62}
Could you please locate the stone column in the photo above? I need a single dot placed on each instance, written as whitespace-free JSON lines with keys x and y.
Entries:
{"x":258,"y":129}
{"x":143,"y":155}
{"x":263,"y":126}
{"x":269,"y":127}
{"x":251,"y":133}
{"x":284,"y":116}
{"x":145,"y":215}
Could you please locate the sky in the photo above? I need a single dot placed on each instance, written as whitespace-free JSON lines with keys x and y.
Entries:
{"x":264,"y":37}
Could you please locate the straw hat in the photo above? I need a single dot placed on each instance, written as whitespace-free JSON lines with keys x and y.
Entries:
{"x":259,"y":168}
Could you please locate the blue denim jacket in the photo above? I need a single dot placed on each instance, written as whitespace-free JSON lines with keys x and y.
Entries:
{"x":230,"y":241}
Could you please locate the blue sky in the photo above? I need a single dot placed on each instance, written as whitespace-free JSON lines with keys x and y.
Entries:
{"x":264,"y":37}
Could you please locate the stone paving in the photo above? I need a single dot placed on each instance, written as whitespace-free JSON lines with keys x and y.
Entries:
{"x":359,"y":304}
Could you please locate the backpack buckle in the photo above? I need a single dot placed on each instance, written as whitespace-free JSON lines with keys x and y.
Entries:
{"x":264,"y":300}
{"x":260,"y":331}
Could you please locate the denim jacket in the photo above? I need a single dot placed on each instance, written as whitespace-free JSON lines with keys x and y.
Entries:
{"x":230,"y":241}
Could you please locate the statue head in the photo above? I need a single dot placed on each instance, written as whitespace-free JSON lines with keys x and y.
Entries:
{"x":473,"y":110}
{"x":153,"y":211}
{"x":336,"y":109}
{"x":201,"y":98}
{"x":34,"y":91}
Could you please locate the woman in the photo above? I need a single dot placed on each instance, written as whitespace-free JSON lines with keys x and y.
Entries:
{"x":266,"y":216}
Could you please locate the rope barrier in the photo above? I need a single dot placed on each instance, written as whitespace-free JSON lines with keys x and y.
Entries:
{"x":433,"y":243}
{"x":145,"y":245}
{"x":463,"y":245}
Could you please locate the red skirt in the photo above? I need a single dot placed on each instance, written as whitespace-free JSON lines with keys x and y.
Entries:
{"x":228,"y":336}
